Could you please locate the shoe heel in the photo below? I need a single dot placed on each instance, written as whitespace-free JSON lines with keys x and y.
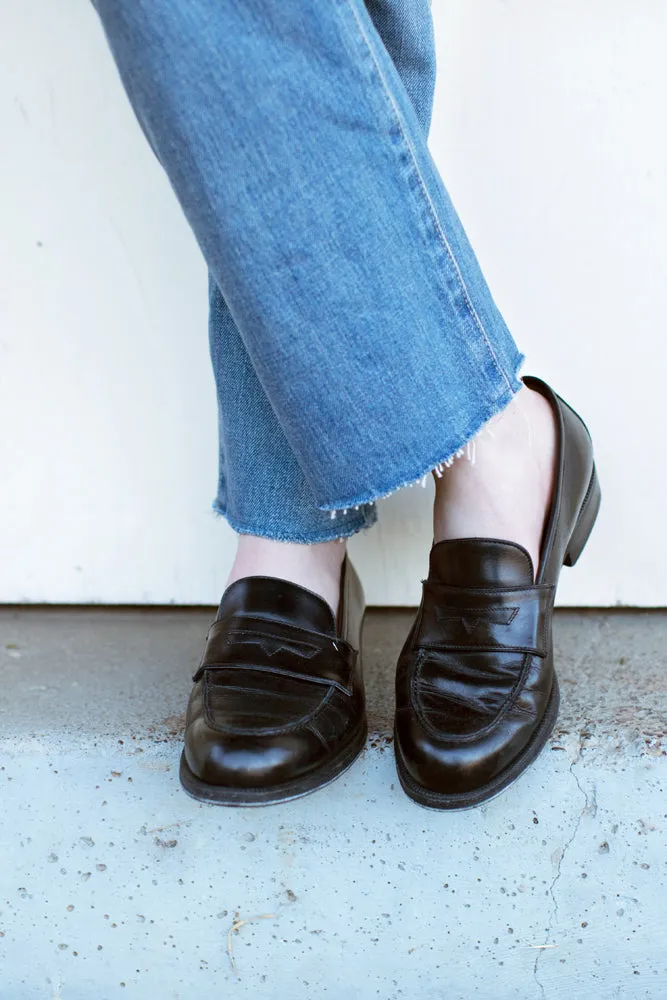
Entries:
{"x":585,"y":521}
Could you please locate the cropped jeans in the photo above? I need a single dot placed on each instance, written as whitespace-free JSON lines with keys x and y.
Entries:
{"x":355,"y":344}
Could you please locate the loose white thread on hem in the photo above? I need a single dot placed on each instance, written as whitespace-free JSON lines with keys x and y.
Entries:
{"x":469,"y":452}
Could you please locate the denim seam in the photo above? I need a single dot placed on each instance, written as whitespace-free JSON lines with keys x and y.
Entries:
{"x":434,"y":215}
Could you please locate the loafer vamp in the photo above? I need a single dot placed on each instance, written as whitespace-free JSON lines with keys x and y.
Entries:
{"x":248,"y":728}
{"x":475,"y":675}
{"x":463,"y":694}
{"x":464,"y":717}
{"x":277,"y":706}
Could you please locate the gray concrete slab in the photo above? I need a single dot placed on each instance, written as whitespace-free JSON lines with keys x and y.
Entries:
{"x":115,"y":884}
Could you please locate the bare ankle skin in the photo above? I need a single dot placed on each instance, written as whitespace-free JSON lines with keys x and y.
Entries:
{"x":505,"y":493}
{"x":316,"y":567}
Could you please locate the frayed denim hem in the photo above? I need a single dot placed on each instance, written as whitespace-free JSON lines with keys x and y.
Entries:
{"x":365,"y":518}
{"x":466,"y":448}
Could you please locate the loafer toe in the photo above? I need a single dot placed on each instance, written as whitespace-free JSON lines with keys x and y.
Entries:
{"x":228,"y":760}
{"x":447,"y":768}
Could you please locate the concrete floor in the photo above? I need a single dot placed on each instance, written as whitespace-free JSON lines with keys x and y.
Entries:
{"x":115,"y":884}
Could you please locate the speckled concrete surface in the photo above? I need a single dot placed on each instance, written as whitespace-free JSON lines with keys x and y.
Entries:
{"x":115,"y":884}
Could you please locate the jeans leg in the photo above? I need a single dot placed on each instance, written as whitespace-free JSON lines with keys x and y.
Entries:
{"x":406,"y":29}
{"x":282,"y":505}
{"x":262,"y":489}
{"x":303,"y":169}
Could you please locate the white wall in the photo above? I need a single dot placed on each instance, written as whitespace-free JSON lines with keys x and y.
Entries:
{"x":548,"y":129}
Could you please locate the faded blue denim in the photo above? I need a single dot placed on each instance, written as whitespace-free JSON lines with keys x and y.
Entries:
{"x":355,"y":343}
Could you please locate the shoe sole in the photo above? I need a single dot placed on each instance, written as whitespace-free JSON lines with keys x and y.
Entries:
{"x":466,"y":800}
{"x":222,"y":795}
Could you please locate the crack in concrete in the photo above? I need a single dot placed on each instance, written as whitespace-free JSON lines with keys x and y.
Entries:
{"x":589,"y":808}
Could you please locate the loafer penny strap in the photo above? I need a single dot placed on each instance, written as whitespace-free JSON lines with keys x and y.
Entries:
{"x":311,"y":656}
{"x":497,"y":618}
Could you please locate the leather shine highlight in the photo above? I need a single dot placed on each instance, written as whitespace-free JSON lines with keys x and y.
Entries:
{"x":476,"y":692}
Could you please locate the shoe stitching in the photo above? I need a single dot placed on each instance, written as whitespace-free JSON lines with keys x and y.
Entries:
{"x":417,"y":679}
{"x":346,"y":659}
{"x":276,"y":671}
{"x":235,"y":623}
{"x":318,"y":735}
{"x":480,"y":733}
{"x":290,"y":727}
{"x":304,"y":721}
{"x":304,"y":636}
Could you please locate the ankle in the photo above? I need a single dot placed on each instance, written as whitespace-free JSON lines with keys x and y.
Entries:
{"x":316,"y":567}
{"x":505,"y":493}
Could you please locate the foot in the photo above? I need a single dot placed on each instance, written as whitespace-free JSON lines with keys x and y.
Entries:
{"x":504,"y":490}
{"x":316,"y":567}
{"x":476,"y":689}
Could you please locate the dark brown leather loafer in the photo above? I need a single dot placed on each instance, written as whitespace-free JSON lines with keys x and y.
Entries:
{"x":277,"y":709}
{"x":476,"y":693}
